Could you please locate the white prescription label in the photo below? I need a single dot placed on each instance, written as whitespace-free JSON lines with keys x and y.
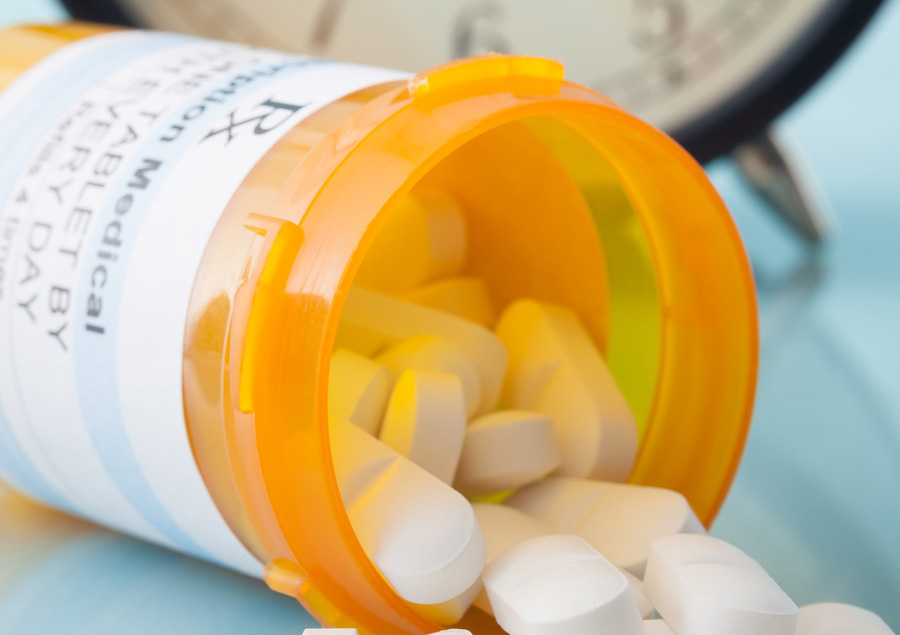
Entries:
{"x":119,"y":154}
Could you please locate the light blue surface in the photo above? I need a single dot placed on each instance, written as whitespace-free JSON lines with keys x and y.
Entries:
{"x":59,"y":576}
{"x":817,"y":499}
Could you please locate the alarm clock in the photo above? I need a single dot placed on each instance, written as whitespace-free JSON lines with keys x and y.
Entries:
{"x":712,"y":73}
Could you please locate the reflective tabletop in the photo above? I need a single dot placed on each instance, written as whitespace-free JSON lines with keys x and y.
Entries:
{"x":817,"y":497}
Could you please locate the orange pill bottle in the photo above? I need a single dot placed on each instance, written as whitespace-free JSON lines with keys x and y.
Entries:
{"x":181,"y":221}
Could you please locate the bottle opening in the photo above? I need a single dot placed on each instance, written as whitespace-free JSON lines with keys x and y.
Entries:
{"x":525,"y":210}
{"x":564,"y":199}
{"x":546,"y":217}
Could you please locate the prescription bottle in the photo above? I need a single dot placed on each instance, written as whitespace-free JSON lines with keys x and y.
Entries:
{"x":181,"y":224}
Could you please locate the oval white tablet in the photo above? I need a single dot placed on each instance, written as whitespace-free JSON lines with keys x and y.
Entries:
{"x":504,"y":528}
{"x":559,"y":584}
{"x":425,"y":421}
{"x":433,"y":353}
{"x":624,"y":520}
{"x":488,"y":465}
{"x":371,"y":314}
{"x":557,"y":501}
{"x":618,"y":520}
{"x":420,"y":533}
{"x":703,"y":586}
{"x":548,"y":345}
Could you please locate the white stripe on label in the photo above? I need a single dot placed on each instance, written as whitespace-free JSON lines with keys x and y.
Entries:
{"x":26,"y":112}
{"x":37,"y":388}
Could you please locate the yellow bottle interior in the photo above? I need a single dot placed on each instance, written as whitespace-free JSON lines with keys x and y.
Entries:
{"x":547,"y":219}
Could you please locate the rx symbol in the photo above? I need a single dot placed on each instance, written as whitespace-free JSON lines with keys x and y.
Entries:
{"x":275,"y":114}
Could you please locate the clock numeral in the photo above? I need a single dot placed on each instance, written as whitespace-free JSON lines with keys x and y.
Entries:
{"x":477,"y":29}
{"x":658,"y":23}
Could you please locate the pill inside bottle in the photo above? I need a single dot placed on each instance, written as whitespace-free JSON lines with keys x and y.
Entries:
{"x":333,"y":294}
{"x":576,"y":249}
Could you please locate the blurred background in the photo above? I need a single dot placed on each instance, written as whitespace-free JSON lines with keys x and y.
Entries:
{"x":815,"y":193}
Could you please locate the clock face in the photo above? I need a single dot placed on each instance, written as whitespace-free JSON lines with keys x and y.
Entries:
{"x":708,"y":71}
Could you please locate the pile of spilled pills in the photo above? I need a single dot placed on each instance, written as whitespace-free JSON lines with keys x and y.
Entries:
{"x":482,"y":460}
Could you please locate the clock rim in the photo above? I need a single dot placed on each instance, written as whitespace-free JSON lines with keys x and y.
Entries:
{"x":737,"y":119}
{"x":748,"y":112}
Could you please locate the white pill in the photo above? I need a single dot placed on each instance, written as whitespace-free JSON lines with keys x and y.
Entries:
{"x":645,"y":606}
{"x":539,"y":337}
{"x":618,"y":520}
{"x":534,"y":352}
{"x":420,"y":533}
{"x":330,"y":631}
{"x":559,"y":584}
{"x":425,"y":421}
{"x":625,"y":519}
{"x":487,"y":465}
{"x":830,"y":618}
{"x":559,"y":502}
{"x":396,"y":320}
{"x":430,"y":352}
{"x":657,"y":627}
{"x":703,"y":586}
{"x":597,"y":435}
{"x":555,"y":368}
{"x":358,"y":390}
{"x":359,"y":465}
{"x":453,"y":631}
{"x":467,"y":297}
{"x":423,"y":237}
{"x":504,"y":528}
